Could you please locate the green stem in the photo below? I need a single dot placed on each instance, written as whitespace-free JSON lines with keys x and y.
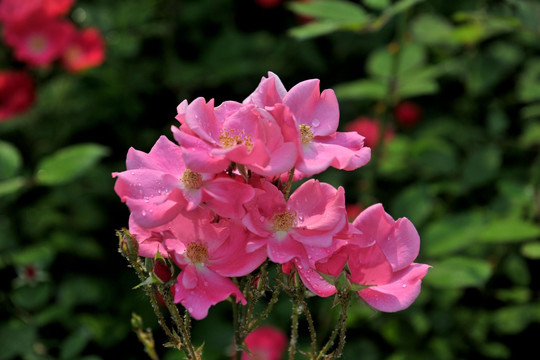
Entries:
{"x":287,"y":188}
{"x":309,"y":318}
{"x":237,"y":336}
{"x":179,"y":322}
{"x":345,"y":301}
{"x":341,"y":328}
{"x":150,"y":290}
{"x":269,"y":307}
{"x":294,"y":329}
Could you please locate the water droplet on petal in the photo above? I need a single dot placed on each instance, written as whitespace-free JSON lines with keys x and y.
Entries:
{"x":299,"y":267}
{"x":261,"y":218}
{"x":315,"y":122}
{"x":144,"y":213}
{"x":133,"y":173}
{"x":404,"y":285}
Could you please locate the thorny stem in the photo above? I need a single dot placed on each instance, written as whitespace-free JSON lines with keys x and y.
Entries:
{"x":151,"y":292}
{"x":345,"y":301}
{"x":150,"y":289}
{"x":179,"y":322}
{"x":287,"y":188}
{"x":341,"y":328}
{"x":237,"y":337}
{"x":309,"y":318}
{"x":294,"y":329}
{"x":144,"y":336}
{"x":266,"y":312}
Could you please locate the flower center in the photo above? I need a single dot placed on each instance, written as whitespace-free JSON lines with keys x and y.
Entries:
{"x":231,"y":137}
{"x":284,"y":221}
{"x":73,"y":53}
{"x":197,"y":252}
{"x":37,"y":44}
{"x":192,"y":180}
{"x":306,"y":134}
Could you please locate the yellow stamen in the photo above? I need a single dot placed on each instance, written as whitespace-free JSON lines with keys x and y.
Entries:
{"x":197,"y":252}
{"x":306,"y":134}
{"x":284,"y":221}
{"x":192,"y":180}
{"x":230,"y":137}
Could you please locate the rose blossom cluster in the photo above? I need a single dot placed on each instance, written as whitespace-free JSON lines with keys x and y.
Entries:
{"x":39,"y":34}
{"x":217,"y":201}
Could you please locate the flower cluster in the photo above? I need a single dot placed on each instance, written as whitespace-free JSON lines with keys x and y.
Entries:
{"x":217,"y":202}
{"x":39,"y":34}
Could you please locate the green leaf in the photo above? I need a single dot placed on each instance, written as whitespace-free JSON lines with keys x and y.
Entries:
{"x":313,"y":29}
{"x":495,"y":350}
{"x":531,"y":250}
{"x":74,"y":344}
{"x":10,"y":160}
{"x":379,"y":63}
{"x":468,"y":33}
{"x":16,"y":338}
{"x":528,"y":87}
{"x":440,"y":30}
{"x":400,"y":6}
{"x":481,"y":165}
{"x":415,"y":203}
{"x":377,"y":4}
{"x":528,"y":12}
{"x":361,"y":89}
{"x":12,"y":185}
{"x":514,"y":319}
{"x":411,"y":57}
{"x":530,"y":135}
{"x":530,"y":111}
{"x":411,"y":88}
{"x":459,"y":272}
{"x":434,"y":156}
{"x":451,"y":233}
{"x":68,"y":163}
{"x":516,"y":269}
{"x":32,"y":297}
{"x":508,"y":230}
{"x":336,"y":11}
{"x":395,"y":162}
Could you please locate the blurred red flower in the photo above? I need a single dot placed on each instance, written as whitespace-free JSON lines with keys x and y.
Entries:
{"x":56,"y":7}
{"x":21,"y":10}
{"x":17,"y":93}
{"x":268,"y":4}
{"x":39,"y":40}
{"x":370,"y":129}
{"x":265,"y":343}
{"x":353,"y":210}
{"x":407,"y":113}
{"x":86,"y":49}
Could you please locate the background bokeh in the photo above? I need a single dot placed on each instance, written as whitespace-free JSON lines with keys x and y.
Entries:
{"x":455,"y":85}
